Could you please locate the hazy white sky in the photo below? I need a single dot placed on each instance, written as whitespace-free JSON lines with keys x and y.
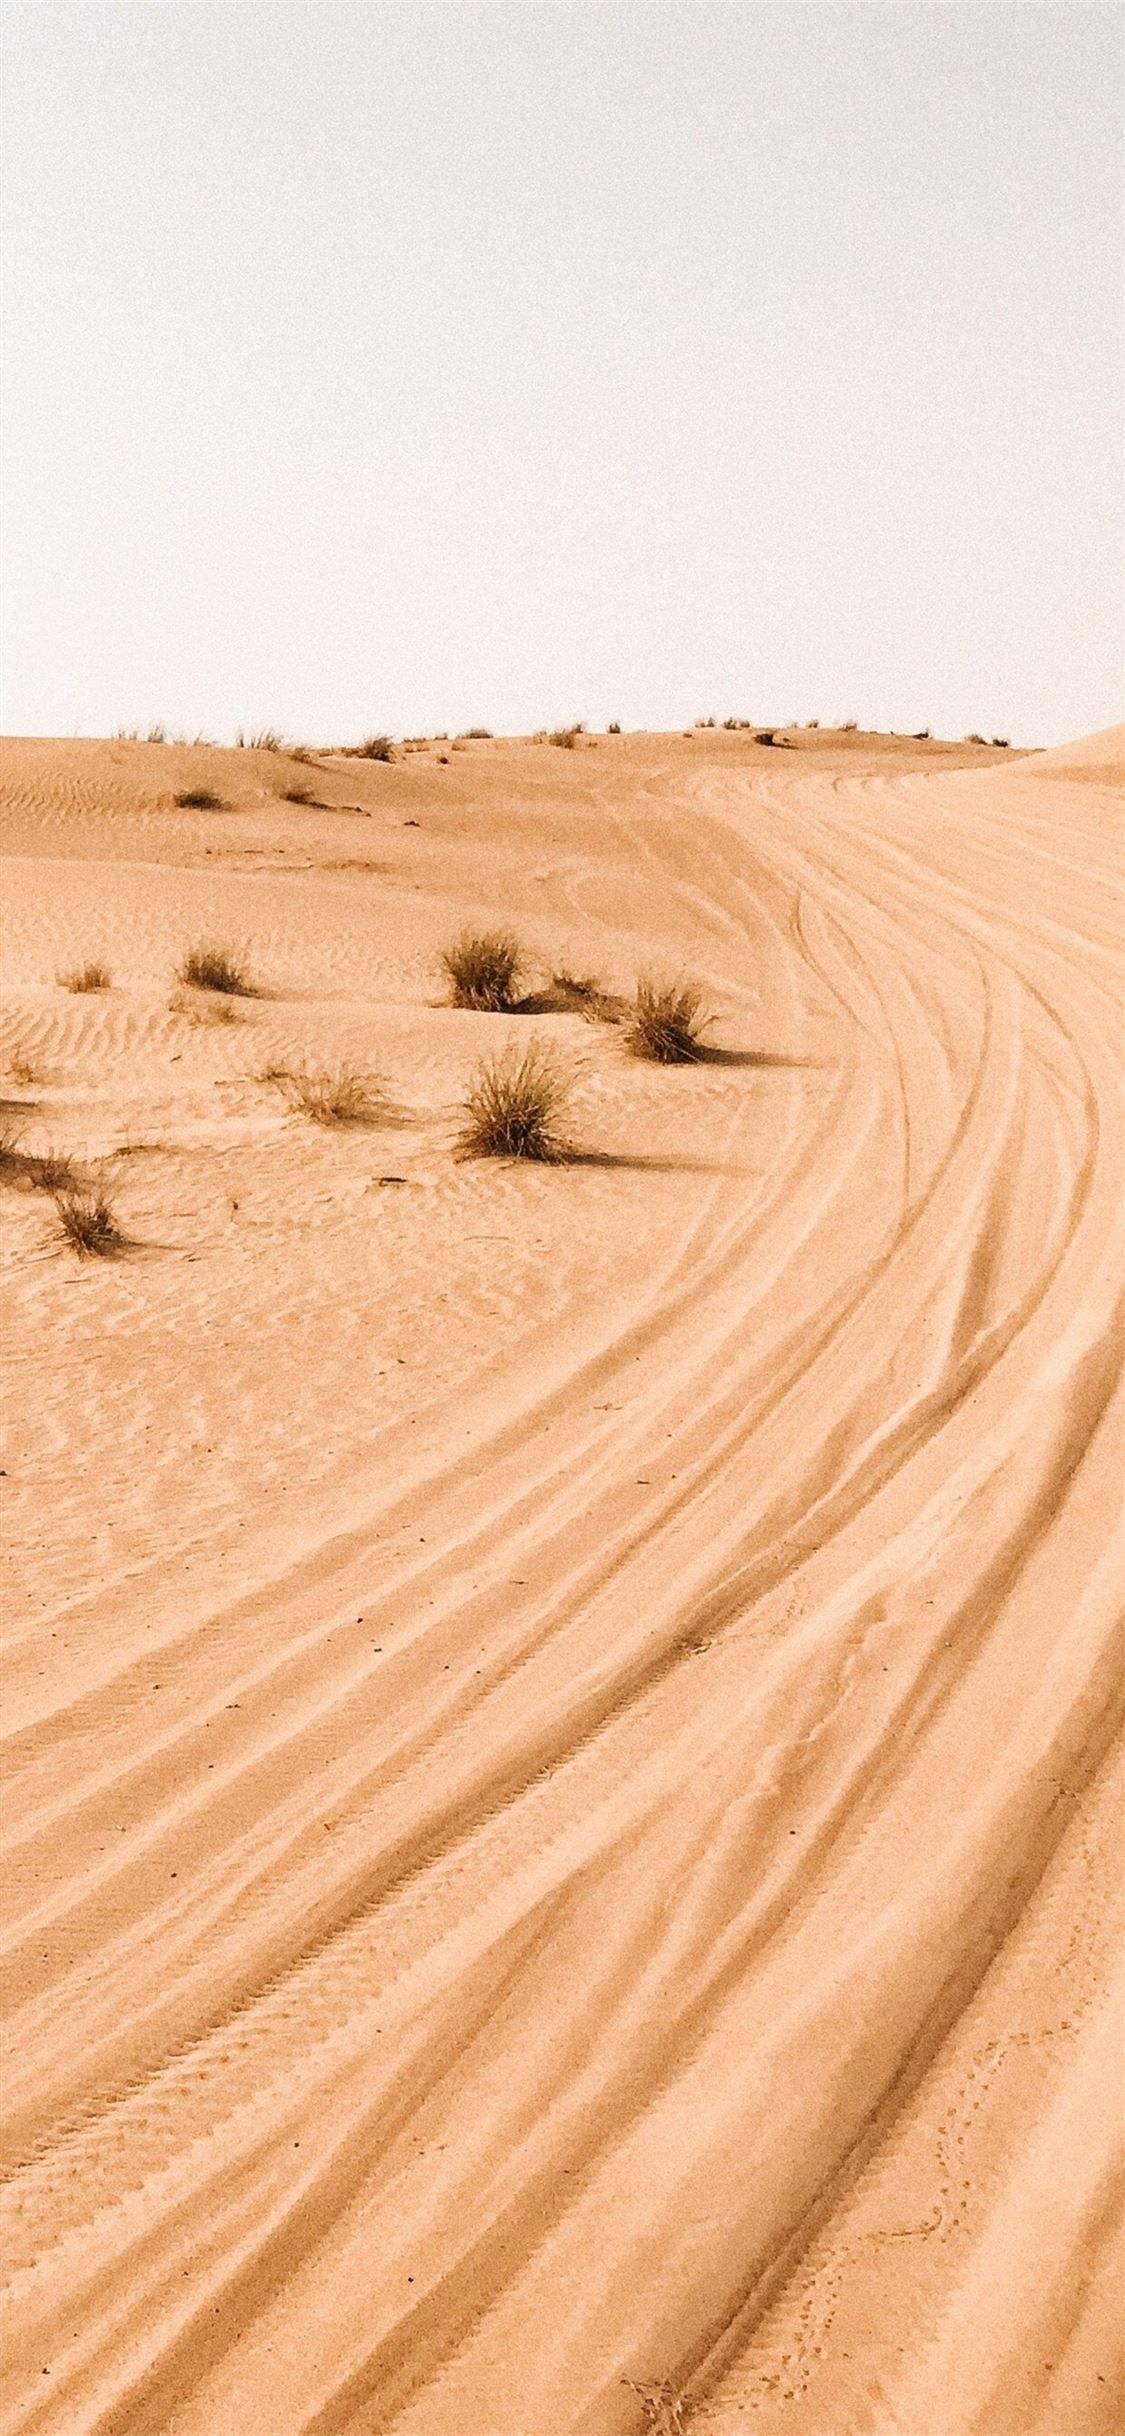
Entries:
{"x":417,"y":366}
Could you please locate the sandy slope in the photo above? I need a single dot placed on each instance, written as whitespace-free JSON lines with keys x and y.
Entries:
{"x":563,"y":1727}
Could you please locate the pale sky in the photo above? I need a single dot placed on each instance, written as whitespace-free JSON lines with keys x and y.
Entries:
{"x":415,"y":367}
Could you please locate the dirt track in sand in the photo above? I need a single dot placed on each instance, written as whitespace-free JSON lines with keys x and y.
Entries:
{"x":563,"y":1728}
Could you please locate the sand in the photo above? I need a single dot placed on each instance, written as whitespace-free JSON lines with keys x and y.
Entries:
{"x":562,"y":1725}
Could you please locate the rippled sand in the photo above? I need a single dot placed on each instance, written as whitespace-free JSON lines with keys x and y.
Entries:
{"x":563,"y":1728}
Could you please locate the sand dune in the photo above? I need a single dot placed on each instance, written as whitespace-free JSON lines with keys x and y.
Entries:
{"x":563,"y":1726}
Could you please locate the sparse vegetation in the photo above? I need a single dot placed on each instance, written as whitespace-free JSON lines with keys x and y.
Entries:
{"x":474,"y":735}
{"x":514,"y":1108}
{"x":297,"y":795}
{"x":262,"y":740}
{"x":86,"y":979}
{"x":921,"y":735}
{"x":705,"y":723}
{"x":975,"y":739}
{"x":214,"y":968}
{"x":88,"y":1221}
{"x":156,"y":735}
{"x":849,"y":727}
{"x":199,"y":799}
{"x":1003,"y":742}
{"x":614,"y":728}
{"x":665,"y":1022}
{"x":567,"y":737}
{"x":334,"y":1096}
{"x":374,"y":748}
{"x":483,"y":968}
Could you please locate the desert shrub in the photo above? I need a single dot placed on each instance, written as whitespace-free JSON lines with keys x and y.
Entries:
{"x":614,"y":728}
{"x":85,"y":979}
{"x":338,"y":1095}
{"x":514,"y":1107}
{"x":665,"y":1022}
{"x":474,"y":735}
{"x":199,"y":799}
{"x":975,"y":739}
{"x":297,"y":795}
{"x":214,"y":968}
{"x":849,"y":727}
{"x":88,"y":1221}
{"x":259,"y":740}
{"x":483,"y":968}
{"x":156,"y":735}
{"x":374,"y":748}
{"x":705,"y":723}
{"x":567,"y":737}
{"x":921,"y":735}
{"x":1002,"y":741}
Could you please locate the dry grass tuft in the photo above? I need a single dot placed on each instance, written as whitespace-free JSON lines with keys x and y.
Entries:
{"x":374,"y":748}
{"x":200,"y":799}
{"x":665,"y":1023}
{"x":263,"y":740}
{"x":483,"y":968}
{"x":338,"y":1095}
{"x":567,"y":737}
{"x":975,"y":739}
{"x":513,"y":1108}
{"x":474,"y":735}
{"x":214,"y":968}
{"x":88,"y":1221}
{"x":298,"y":795}
{"x":86,"y":979}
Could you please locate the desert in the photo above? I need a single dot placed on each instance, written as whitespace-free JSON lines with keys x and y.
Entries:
{"x":563,"y":1716}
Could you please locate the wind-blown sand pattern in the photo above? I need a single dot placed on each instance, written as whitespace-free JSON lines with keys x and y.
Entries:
{"x":563,"y":1727}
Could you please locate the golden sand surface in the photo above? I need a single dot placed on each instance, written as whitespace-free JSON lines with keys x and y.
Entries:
{"x":562,"y":1725}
